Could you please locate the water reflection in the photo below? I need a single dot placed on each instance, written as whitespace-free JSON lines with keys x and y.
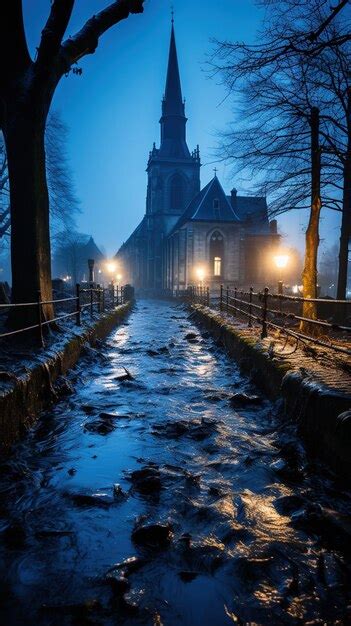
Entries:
{"x":232,"y":490}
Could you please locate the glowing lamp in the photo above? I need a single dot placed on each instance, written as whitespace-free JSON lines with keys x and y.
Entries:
{"x":111,"y":267}
{"x":281,"y":260}
{"x":200,"y":273}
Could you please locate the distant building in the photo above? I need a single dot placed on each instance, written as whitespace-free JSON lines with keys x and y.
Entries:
{"x":70,"y":260}
{"x":185,"y":227}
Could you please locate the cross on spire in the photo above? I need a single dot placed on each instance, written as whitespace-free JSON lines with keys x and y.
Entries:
{"x":215,"y":172}
{"x":172,"y":13}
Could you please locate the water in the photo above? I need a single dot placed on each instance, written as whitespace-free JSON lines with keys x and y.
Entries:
{"x":258,"y":532}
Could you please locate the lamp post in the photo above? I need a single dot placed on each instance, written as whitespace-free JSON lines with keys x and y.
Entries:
{"x":281,"y":261}
{"x":91,"y":263}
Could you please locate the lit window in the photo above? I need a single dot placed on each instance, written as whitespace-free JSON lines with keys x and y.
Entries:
{"x":217,"y":270}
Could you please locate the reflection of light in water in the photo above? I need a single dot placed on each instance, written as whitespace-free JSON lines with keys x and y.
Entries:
{"x":267,"y":594}
{"x":268,"y":523}
{"x":122,"y":336}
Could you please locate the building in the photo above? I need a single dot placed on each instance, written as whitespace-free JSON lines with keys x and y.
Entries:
{"x":186,"y":227}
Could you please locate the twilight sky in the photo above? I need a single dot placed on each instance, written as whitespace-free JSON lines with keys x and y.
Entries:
{"x":113,"y":109}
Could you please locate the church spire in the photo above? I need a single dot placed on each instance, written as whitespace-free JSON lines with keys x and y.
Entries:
{"x":173,"y":120}
{"x":173,"y":100}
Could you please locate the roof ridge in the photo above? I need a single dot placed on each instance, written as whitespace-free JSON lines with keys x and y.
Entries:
{"x":209,"y":185}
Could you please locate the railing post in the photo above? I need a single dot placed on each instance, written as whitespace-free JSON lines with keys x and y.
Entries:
{"x":78,"y":316}
{"x":40,"y":324}
{"x":122,"y":295}
{"x":227,"y":298}
{"x":102,"y":300}
{"x":235,"y":299}
{"x":264,"y":313}
{"x":208,"y":296}
{"x":250,"y":307}
{"x":221,"y":299}
{"x":91,"y":301}
{"x":113,"y":295}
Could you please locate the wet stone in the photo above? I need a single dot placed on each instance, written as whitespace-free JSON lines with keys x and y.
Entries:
{"x":153,"y":536}
{"x":88,"y":500}
{"x":244,"y":399}
{"x":147,"y":480}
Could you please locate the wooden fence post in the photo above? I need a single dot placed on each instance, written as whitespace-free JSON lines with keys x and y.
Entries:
{"x":264,"y":313}
{"x":40,"y":321}
{"x":78,"y":316}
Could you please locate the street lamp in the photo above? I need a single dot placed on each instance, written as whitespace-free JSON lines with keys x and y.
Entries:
{"x":281,"y":261}
{"x":118,"y":278}
{"x":200,"y":273}
{"x":111,"y":267}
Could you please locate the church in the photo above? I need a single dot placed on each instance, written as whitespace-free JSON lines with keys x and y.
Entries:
{"x":188,"y":231}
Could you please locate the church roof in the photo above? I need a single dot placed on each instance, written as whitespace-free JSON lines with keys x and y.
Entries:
{"x":92,"y":251}
{"x":209,"y":205}
{"x":253,"y":211}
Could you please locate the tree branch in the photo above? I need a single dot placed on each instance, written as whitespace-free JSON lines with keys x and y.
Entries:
{"x":13,"y":45}
{"x":54,"y":30}
{"x":87,"y":39}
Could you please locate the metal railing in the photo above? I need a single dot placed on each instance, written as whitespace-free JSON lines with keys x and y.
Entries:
{"x":199,"y":295}
{"x":93,"y":299}
{"x":255,"y":307}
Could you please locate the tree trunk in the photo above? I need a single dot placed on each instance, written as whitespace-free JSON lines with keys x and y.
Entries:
{"x":30,"y":238}
{"x":309,"y":275}
{"x":345,"y":231}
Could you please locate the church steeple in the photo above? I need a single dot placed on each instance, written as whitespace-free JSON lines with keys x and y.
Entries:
{"x":173,"y":100}
{"x":173,"y":120}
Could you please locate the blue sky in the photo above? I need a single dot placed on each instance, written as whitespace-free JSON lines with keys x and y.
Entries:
{"x":113,"y":109}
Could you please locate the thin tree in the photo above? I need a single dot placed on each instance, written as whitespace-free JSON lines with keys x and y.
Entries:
{"x":62,"y":197}
{"x":27,"y":87}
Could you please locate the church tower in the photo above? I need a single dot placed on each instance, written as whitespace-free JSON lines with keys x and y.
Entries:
{"x":173,"y":172}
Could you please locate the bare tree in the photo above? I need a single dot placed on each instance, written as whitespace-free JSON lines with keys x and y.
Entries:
{"x":68,"y":253}
{"x":271,"y":143}
{"x":26,"y":90}
{"x":62,"y":197}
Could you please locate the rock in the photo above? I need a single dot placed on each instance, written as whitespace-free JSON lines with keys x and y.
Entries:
{"x":88,"y":408}
{"x":118,"y":492}
{"x":288,"y":504}
{"x":91,"y":500}
{"x":129,"y":566}
{"x":343,"y":427}
{"x":114,"y":416}
{"x":243,"y":399}
{"x":100,"y":427}
{"x":152,"y":352}
{"x":147,"y":480}
{"x":72,"y":471}
{"x":118,"y":583}
{"x":63,"y":387}
{"x":156,"y":536}
{"x":185,"y":540}
{"x":191,"y":336}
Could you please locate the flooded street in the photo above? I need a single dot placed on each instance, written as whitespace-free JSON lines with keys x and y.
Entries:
{"x":165,"y":455}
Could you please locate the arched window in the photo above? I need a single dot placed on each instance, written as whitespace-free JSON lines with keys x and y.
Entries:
{"x":216,"y":254}
{"x":177,"y":193}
